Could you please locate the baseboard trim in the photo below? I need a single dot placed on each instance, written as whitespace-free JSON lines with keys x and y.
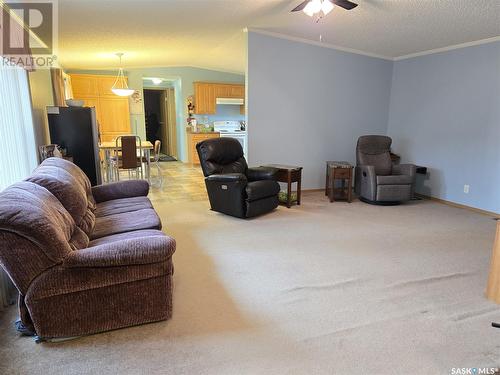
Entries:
{"x":458,"y":205}
{"x":312,"y":190}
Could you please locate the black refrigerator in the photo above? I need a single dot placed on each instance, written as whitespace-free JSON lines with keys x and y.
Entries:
{"x":75,"y":129}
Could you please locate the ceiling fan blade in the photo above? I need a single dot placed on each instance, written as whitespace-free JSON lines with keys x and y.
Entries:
{"x":346,"y":4}
{"x":301,"y":6}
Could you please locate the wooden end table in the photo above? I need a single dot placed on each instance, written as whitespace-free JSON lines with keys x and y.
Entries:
{"x":289,"y":174}
{"x":339,"y":170}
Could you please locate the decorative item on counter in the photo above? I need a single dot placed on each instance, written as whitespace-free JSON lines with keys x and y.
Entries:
{"x":194,"y":125}
{"x":190,"y":109}
{"x":190,"y":105}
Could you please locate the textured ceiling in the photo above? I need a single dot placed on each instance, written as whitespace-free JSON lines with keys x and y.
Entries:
{"x":209,"y":33}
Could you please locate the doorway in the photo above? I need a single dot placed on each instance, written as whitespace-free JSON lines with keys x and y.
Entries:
{"x":160,"y":120}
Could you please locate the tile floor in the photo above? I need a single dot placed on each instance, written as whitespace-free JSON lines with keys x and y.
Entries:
{"x":182,"y":182}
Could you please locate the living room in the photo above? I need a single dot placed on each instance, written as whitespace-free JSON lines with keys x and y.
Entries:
{"x":354,"y":231}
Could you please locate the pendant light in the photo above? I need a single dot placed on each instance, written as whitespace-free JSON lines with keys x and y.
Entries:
{"x":120,"y":86}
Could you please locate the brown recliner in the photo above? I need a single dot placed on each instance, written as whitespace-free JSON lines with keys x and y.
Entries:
{"x":83,"y":260}
{"x":377,"y":180}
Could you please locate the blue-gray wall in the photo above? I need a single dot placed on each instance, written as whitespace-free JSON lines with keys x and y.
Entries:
{"x":445,"y":114}
{"x":308,"y":104}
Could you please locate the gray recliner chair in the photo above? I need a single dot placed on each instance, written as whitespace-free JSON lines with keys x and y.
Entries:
{"x":377,"y":180}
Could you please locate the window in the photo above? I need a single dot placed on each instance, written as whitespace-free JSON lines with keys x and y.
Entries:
{"x":17,"y":142}
{"x":18,"y":154}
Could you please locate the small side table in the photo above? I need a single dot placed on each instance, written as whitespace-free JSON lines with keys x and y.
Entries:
{"x":339,"y":170}
{"x":289,"y":174}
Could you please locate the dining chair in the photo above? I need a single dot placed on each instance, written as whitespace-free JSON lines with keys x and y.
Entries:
{"x":155,"y":158}
{"x":127,"y":147}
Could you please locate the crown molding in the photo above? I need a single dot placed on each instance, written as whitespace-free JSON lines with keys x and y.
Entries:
{"x":358,"y":52}
{"x":317,"y":44}
{"x":448,"y":48}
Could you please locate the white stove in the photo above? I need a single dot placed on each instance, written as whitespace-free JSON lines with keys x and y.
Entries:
{"x":232,"y":129}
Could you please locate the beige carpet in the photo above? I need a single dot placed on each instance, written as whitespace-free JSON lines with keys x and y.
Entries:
{"x":321,"y":289}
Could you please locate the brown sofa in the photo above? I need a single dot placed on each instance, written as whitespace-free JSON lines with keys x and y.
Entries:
{"x":84,"y":259}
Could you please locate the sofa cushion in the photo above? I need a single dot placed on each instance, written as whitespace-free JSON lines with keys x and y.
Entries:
{"x":261,"y":189}
{"x":81,"y":179}
{"x":31,"y":211}
{"x":118,"y":206}
{"x":381,"y":162}
{"x":126,"y":236}
{"x":400,"y":179}
{"x":126,"y":222}
{"x":66,"y":188}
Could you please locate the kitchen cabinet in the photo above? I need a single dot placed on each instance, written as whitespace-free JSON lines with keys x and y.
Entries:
{"x":193,"y":139}
{"x":206,"y":93}
{"x":112,"y":111}
{"x":204,"y":98}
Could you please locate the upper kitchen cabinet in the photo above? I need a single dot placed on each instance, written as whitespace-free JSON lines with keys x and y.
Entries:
{"x":113,"y":114}
{"x":230,"y":91}
{"x":204,"y":98}
{"x":206,"y":94}
{"x":84,"y":85}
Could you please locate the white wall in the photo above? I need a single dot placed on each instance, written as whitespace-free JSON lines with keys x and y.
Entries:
{"x":445,"y":114}
{"x":308,"y":104}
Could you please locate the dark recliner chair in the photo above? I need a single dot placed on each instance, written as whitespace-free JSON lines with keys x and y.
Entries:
{"x":377,"y":180}
{"x":233,"y":188}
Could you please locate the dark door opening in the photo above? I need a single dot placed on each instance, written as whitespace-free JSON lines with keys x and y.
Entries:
{"x":159,"y":121}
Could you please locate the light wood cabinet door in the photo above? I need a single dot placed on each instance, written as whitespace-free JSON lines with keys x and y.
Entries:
{"x":114,"y":117}
{"x":204,"y":98}
{"x":84,"y":85}
{"x":195,"y":138}
{"x":237,"y":91}
{"x":226,"y":90}
{"x":222,"y":91}
{"x":105,"y":83}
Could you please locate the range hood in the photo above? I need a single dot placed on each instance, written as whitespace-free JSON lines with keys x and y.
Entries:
{"x":230,"y":101}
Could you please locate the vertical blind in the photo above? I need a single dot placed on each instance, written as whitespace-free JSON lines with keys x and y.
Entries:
{"x":18,"y":155}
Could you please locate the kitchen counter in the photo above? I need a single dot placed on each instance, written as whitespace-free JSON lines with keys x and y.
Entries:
{"x":193,"y":139}
{"x":192,"y":132}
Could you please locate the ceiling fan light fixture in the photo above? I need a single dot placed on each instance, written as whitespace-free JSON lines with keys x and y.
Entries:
{"x":313,"y":7}
{"x":308,"y":10}
{"x":120,"y":86}
{"x":326,"y":7}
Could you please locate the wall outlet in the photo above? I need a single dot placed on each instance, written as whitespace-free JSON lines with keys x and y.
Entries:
{"x":466,"y":189}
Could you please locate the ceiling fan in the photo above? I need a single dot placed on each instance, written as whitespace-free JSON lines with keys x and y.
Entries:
{"x":312,"y":7}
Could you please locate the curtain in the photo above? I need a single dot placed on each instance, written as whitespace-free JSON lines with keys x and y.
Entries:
{"x":58,"y":87}
{"x":18,"y":155}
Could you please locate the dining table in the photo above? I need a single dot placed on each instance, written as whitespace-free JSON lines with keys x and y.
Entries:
{"x":109,"y":146}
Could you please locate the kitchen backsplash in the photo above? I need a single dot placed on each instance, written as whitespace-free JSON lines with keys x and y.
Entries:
{"x":224,"y":113}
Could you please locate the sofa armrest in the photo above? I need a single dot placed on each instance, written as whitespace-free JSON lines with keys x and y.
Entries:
{"x":135,"y":251}
{"x":404,"y":169}
{"x":228,"y":177}
{"x":121,"y":189}
{"x":261,"y":173}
